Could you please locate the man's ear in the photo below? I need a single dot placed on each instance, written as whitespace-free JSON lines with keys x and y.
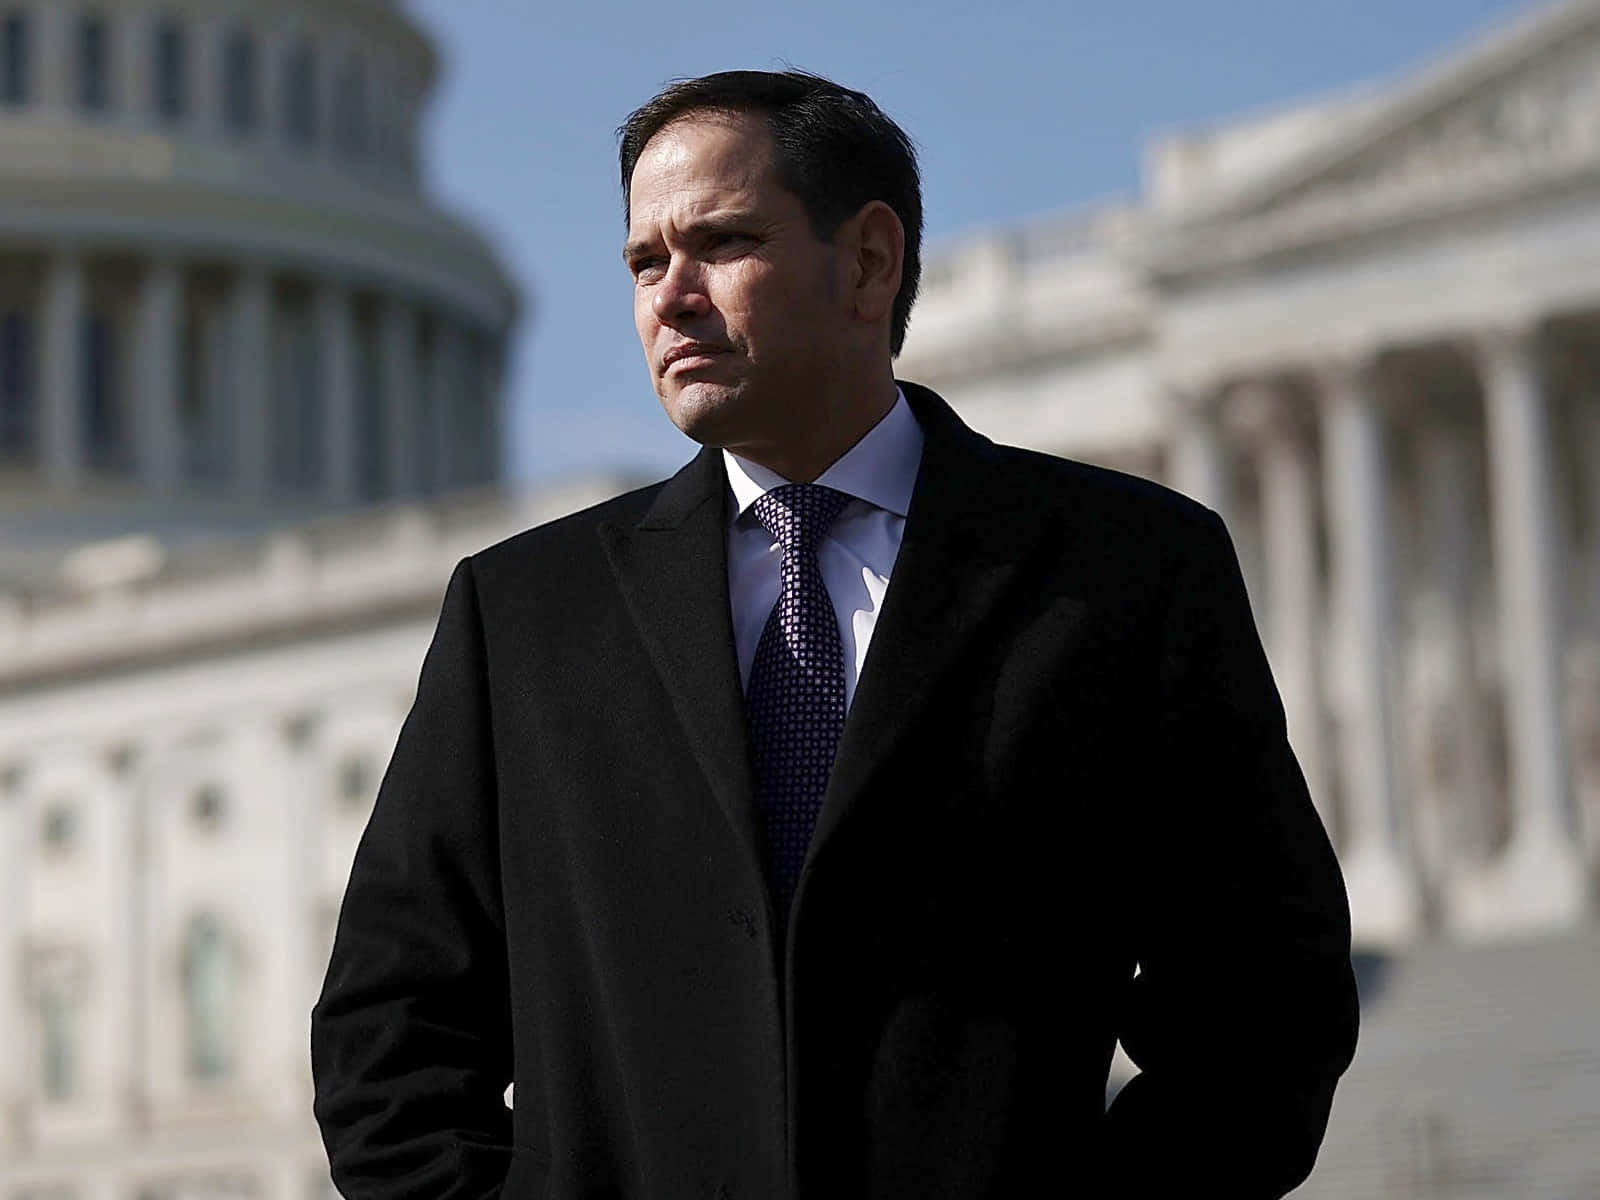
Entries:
{"x":875,"y":241}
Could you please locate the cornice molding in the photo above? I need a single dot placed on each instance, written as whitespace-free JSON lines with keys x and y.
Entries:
{"x":340,"y":575}
{"x":397,"y":245}
{"x":1504,"y":122}
{"x":1547,"y":30}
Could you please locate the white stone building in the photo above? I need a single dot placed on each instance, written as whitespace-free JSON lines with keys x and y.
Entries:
{"x":250,"y":415}
{"x":1367,"y":330}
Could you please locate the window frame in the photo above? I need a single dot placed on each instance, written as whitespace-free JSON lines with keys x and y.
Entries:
{"x":94,"y":63}
{"x":299,"y":115}
{"x":241,"y":83}
{"x":169,"y":56}
{"x":16,"y":58}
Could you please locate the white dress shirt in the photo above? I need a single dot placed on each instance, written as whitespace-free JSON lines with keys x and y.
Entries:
{"x":857,"y":553}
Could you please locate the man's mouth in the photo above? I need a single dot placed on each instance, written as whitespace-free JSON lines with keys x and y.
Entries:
{"x":691,"y":355}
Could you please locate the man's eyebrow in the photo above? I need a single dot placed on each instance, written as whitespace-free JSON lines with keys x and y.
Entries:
{"x":699,"y":227}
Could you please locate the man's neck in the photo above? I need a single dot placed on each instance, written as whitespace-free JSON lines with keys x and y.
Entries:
{"x":802,"y":461}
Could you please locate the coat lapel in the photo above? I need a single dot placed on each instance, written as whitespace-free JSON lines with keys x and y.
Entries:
{"x":967,"y":535}
{"x":672,"y":568}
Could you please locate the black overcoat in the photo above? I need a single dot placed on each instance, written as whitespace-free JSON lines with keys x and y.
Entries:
{"x":1063,"y":811}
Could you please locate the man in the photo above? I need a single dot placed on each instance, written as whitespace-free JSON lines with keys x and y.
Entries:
{"x":815,"y":822}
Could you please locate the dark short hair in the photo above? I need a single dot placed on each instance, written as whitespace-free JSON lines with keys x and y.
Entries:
{"x":835,"y":150}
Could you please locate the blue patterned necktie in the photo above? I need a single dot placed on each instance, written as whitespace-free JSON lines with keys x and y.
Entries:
{"x":795,"y":701}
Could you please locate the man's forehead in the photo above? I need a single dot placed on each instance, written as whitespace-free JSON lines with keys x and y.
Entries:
{"x":731,"y":146}
{"x":694,"y":172}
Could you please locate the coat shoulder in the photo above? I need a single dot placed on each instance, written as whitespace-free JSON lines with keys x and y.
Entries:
{"x":1084,"y":496}
{"x":1119,"y":502}
{"x":564,"y":544}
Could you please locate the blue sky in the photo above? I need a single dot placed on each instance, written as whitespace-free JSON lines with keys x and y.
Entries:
{"x":1018,"y":107}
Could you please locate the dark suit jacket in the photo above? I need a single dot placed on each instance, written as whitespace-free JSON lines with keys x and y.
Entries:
{"x":1065,"y":760}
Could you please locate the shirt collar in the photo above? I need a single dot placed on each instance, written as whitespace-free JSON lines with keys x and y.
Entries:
{"x":880,"y":469}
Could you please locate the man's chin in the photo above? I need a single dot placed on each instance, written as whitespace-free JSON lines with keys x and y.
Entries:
{"x":706,"y":412}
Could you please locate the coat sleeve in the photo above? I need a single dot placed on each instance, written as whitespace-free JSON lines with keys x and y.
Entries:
{"x":1243,"y":1013}
{"x":410,"y":1039}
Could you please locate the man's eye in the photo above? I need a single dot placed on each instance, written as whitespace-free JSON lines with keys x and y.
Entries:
{"x":647,"y":269}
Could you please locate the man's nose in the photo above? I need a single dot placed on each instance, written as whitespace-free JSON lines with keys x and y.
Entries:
{"x":680,"y":294}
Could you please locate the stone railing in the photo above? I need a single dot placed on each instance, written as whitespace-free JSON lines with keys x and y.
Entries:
{"x":132,"y":599}
{"x":1039,"y":246}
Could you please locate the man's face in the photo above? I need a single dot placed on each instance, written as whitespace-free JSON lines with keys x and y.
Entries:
{"x":737,"y":302}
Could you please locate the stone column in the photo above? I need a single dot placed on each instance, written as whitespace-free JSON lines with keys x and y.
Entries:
{"x":306,"y":787}
{"x":1540,"y":883}
{"x":122,"y":942}
{"x":132,"y":89}
{"x":1587,"y":433}
{"x":132,"y":766}
{"x":14,"y":1033}
{"x":270,"y":50}
{"x":400,"y":387}
{"x":157,"y":326}
{"x":1384,"y":900}
{"x":1294,"y":618}
{"x":337,"y":362}
{"x":61,"y":393}
{"x":52,"y":73}
{"x":445,"y":400}
{"x":277,"y":933}
{"x":327,"y":52}
{"x":1200,"y":467}
{"x":206,"y":31}
{"x":1456,"y":740}
{"x":250,"y":392}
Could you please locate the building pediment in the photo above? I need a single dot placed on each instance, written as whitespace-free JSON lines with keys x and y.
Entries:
{"x":1515,"y":114}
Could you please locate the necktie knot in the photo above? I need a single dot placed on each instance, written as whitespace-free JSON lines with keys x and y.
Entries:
{"x":798,"y":514}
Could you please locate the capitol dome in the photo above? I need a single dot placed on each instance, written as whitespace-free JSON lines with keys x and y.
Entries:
{"x":225,"y":298}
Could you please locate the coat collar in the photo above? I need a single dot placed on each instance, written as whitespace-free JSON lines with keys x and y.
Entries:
{"x":958,"y":556}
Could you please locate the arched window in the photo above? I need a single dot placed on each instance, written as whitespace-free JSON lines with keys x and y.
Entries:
{"x":239,"y":82}
{"x":355,"y":782}
{"x":57,"y":987}
{"x":172,"y":71}
{"x":16,"y":385}
{"x":208,"y":808}
{"x":350,"y":132}
{"x":14,"y":59}
{"x":59,"y":1063}
{"x":208,"y":1000}
{"x":58,"y":827}
{"x":300,"y":95}
{"x":94,"y":64}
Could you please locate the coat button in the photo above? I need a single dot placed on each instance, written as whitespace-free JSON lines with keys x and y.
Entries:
{"x":746,"y":920}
